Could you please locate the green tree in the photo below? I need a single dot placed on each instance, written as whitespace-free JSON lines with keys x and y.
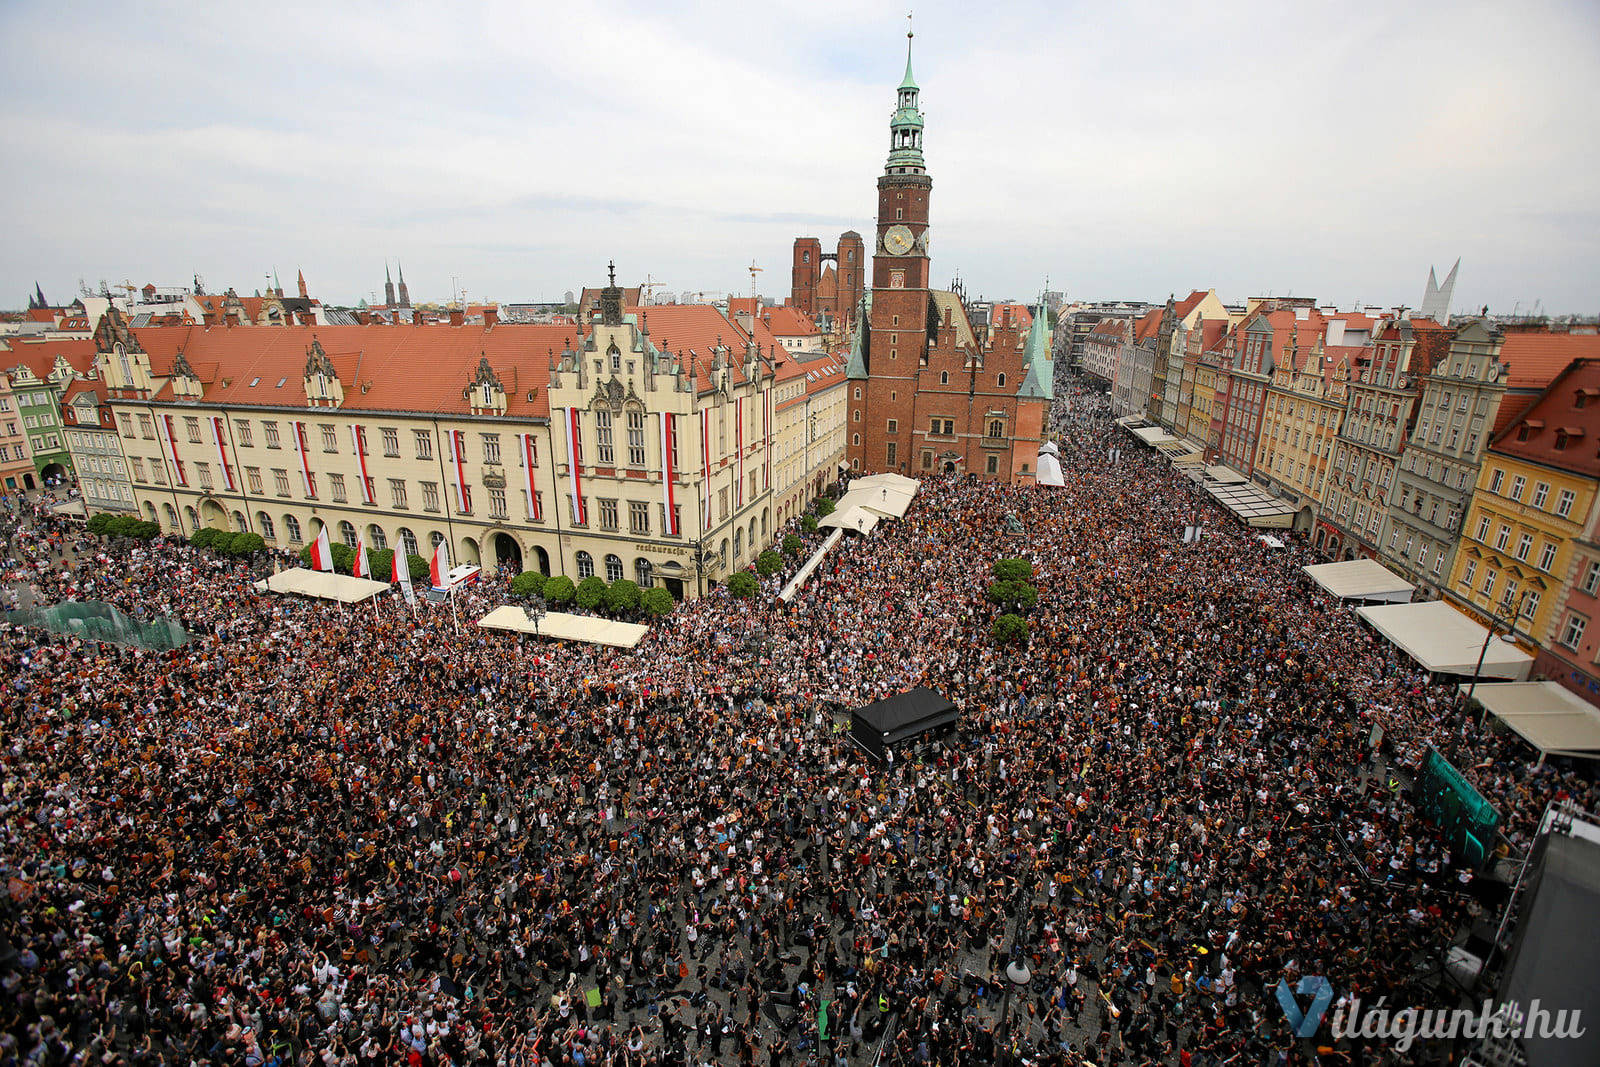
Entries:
{"x":1013,"y":570}
{"x":591,"y":591}
{"x":246,"y":544}
{"x":528,"y":583}
{"x":144,"y":531}
{"x":623,"y":596}
{"x":205,"y":537}
{"x":97,"y":522}
{"x":658,"y":602}
{"x":809,"y":524}
{"x":792,"y":544}
{"x":222,"y":544}
{"x":743,"y":585}
{"x":824,"y":507}
{"x":559,"y":590}
{"x":344,"y":558}
{"x":1013,"y":595}
{"x":382,"y":564}
{"x":418,"y":566}
{"x":1010,"y":630}
{"x":768,"y":563}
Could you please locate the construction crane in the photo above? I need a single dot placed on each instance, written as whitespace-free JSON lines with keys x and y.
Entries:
{"x":646,"y":287}
{"x":755,"y":301}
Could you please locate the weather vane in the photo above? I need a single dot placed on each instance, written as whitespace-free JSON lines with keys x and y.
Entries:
{"x":909,"y":34}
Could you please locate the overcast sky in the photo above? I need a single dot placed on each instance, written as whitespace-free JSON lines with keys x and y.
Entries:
{"x":1123,"y":150}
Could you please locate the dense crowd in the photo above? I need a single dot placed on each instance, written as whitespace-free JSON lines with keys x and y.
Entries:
{"x":324,"y":835}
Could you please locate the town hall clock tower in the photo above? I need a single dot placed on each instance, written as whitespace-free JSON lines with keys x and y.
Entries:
{"x":893,"y":344}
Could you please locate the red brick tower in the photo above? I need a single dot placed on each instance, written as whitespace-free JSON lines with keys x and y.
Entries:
{"x":896,"y":341}
{"x":807,"y":269}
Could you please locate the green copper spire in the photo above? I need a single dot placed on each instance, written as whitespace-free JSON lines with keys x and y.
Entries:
{"x":905,"y":127}
{"x":1040,"y":378}
{"x":908,"y":82}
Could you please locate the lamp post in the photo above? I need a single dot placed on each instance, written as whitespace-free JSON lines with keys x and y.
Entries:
{"x":1017,"y":978}
{"x":533,"y":606}
{"x":1489,"y":635}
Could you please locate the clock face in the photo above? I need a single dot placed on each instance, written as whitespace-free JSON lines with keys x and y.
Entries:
{"x":897,"y":240}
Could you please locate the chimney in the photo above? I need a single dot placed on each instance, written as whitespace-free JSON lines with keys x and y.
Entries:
{"x":457,"y":316}
{"x":307,"y":318}
{"x":491,"y":317}
{"x":211,"y":318}
{"x":364,"y":318}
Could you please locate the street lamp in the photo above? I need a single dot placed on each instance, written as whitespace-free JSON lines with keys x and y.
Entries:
{"x":533,"y":606}
{"x":1017,"y":978}
{"x":1509,"y":637}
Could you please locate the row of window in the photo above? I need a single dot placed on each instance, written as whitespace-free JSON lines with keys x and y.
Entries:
{"x":1541,"y":492}
{"x":1502,"y":540}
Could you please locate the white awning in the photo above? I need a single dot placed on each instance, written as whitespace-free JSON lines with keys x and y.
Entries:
{"x":856,"y":519}
{"x":323,"y":585}
{"x":561,"y":626}
{"x":1446,"y":641}
{"x":1361,"y":579}
{"x":1224,"y":475}
{"x":1250,"y":505}
{"x":1547,"y":715}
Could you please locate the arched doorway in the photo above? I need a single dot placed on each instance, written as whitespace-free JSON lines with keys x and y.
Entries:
{"x":52,"y":473}
{"x":1302,"y":520}
{"x":470,"y":553}
{"x":507,"y":553}
{"x":949,"y":466}
{"x":543,"y":560}
{"x":211,"y":514}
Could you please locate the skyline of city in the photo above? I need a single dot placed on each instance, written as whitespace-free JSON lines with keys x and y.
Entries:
{"x":1116,"y":172}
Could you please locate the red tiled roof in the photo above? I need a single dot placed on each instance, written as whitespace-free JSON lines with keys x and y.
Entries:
{"x":1190,"y":302}
{"x":788,"y":322}
{"x":684,"y":328}
{"x":1556,"y":412}
{"x":1535,"y":359}
{"x":40,"y":355}
{"x":1148,"y":325}
{"x":41,"y":315}
{"x":405,"y":368}
{"x":1021,"y":316}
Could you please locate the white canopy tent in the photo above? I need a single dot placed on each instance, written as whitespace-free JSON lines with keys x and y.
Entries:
{"x":1251,"y":506}
{"x":861,"y":520}
{"x":560,"y":626}
{"x":323,"y":585}
{"x":1445,"y":641}
{"x":1547,"y":715}
{"x":1154,"y":436}
{"x":1049,"y":467}
{"x":1361,"y":579}
{"x":869,"y":500}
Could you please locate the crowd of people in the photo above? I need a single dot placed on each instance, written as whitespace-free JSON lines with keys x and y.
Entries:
{"x":317,"y":835}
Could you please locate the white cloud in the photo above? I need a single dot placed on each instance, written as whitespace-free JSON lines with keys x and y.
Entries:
{"x":1122,"y":151}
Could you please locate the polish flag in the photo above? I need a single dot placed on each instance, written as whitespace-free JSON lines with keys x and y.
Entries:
{"x":439,"y":569}
{"x":361,"y":568}
{"x":400,"y":571}
{"x":322,"y":552}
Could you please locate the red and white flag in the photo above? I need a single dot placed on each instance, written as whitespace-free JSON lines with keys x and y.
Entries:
{"x":738,"y":444}
{"x":669,"y":473}
{"x":322,"y":552}
{"x":439,"y":569}
{"x":305,"y":461}
{"x":530,"y":459}
{"x":766,"y":448}
{"x":705,"y":469}
{"x":358,"y":434}
{"x":361,"y":568}
{"x":455,"y":440}
{"x":222,"y":454}
{"x":400,"y":571}
{"x":580,"y":513}
{"x":164,"y":423}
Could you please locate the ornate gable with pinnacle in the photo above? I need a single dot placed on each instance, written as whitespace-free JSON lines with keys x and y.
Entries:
{"x":112,"y":331}
{"x":323,"y":388}
{"x":185,"y":382}
{"x":486,"y":395}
